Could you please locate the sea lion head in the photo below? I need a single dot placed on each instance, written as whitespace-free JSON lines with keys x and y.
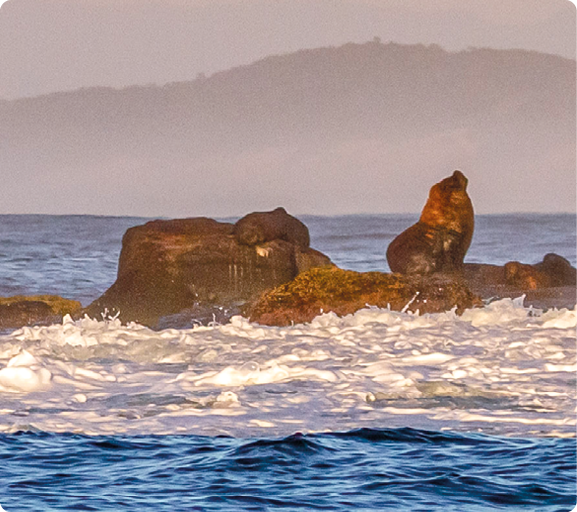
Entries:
{"x":525,"y":277}
{"x":453,"y":189}
{"x":259,"y":227}
{"x":559,"y":270}
{"x":449,"y":205}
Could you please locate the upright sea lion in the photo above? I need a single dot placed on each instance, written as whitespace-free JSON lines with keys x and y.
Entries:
{"x":260,"y":227}
{"x":441,"y":238}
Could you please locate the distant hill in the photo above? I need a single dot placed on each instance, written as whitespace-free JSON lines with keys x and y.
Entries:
{"x":362,"y":127}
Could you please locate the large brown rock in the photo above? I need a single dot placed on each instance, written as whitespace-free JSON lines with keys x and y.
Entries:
{"x":440,"y":239}
{"x":21,"y":310}
{"x":345,"y":291}
{"x":167,"y":266}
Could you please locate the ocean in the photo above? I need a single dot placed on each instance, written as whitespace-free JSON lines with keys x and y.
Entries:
{"x":380,"y":410}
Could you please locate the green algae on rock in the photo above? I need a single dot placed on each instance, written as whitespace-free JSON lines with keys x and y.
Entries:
{"x":21,"y":310}
{"x":345,"y":291}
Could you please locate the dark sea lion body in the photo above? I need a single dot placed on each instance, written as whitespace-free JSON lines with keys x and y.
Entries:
{"x":553,"y":271}
{"x":260,"y":227}
{"x":441,"y":238}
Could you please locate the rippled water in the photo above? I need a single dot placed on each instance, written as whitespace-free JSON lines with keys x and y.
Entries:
{"x":379,"y":410}
{"x":402,"y":469}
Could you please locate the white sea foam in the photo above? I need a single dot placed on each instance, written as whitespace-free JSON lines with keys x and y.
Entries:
{"x":501,"y":369}
{"x":24,"y":373}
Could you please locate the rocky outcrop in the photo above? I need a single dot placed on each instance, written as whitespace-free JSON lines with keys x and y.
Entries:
{"x":346,"y":291}
{"x":441,"y":238}
{"x":167,"y":266}
{"x":21,"y":310}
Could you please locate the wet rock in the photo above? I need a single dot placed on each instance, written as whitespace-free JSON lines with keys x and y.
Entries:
{"x":20,"y":310}
{"x":167,"y":266}
{"x":345,"y":291}
{"x":307,"y":259}
{"x":198,"y":314}
{"x":548,"y":298}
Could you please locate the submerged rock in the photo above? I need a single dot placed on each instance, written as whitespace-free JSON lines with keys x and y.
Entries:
{"x":198,"y":314}
{"x":21,"y":310}
{"x":346,"y":291}
{"x":167,"y":266}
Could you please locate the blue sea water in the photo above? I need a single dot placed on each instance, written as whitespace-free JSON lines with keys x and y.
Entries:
{"x":376,"y":468}
{"x":387,"y":469}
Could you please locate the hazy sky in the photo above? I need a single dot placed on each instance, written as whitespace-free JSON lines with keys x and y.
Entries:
{"x":56,"y":45}
{"x":61,"y":45}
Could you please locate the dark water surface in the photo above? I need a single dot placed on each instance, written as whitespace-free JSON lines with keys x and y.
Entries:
{"x":390,"y":469}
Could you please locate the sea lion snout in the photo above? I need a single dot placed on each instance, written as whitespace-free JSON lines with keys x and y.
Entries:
{"x":460,"y":180}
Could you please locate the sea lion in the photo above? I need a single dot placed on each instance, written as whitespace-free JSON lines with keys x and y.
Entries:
{"x":440,"y":239}
{"x":260,"y":227}
{"x":560,"y":271}
{"x":554,"y":270}
{"x":525,"y":277}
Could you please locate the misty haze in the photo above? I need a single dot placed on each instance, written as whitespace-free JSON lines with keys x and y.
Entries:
{"x":347,"y":126}
{"x":349,"y":129}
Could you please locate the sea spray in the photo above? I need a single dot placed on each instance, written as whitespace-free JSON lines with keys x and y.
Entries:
{"x":502,"y":369}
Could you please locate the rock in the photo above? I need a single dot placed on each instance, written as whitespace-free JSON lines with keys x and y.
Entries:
{"x":306,"y":259}
{"x":440,"y":239}
{"x":198,"y":314}
{"x":260,"y":227}
{"x":20,"y":310}
{"x":345,"y":291}
{"x":167,"y":266}
{"x":479,"y":274}
{"x":548,"y":298}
